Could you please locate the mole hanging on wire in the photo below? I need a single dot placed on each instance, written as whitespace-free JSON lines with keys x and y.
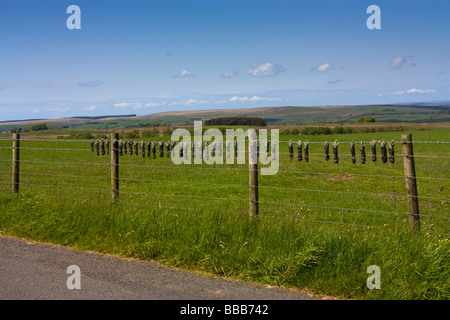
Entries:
{"x":257,"y":148}
{"x":352,"y":151}
{"x":125,"y":143}
{"x":136,"y":148}
{"x":213,"y":148}
{"x":97,"y":147}
{"x":130,"y":146}
{"x":383,"y":151}
{"x":363,"y":153}
{"x":326,"y":146}
{"x":291,"y":149}
{"x":143,"y":148}
{"x":149,"y":150}
{"x":206,"y":151}
{"x":107,"y":146}
{"x":102,"y":145}
{"x":219,"y":148}
{"x":168,"y":149}
{"x":227,"y":149}
{"x":373,"y":146}
{"x":200,"y":149}
{"x":186,"y":149}
{"x":180,"y":152}
{"x":264,"y":148}
{"x":299,"y":150}
{"x":125,"y":146}
{"x":92,"y":145}
{"x":161,"y":149}
{"x":335,"y":151}
{"x":391,"y":151}
{"x":154,"y":149}
{"x":172,"y":147}
{"x":121,"y":148}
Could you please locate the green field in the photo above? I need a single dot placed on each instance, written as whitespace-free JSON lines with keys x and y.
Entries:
{"x":320,"y":226}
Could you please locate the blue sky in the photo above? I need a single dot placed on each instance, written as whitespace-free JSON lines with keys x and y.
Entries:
{"x":141,"y":57}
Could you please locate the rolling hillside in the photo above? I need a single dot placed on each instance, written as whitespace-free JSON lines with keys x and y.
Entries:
{"x":422,"y":113}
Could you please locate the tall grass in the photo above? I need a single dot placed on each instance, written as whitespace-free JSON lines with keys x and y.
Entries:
{"x":287,"y":252}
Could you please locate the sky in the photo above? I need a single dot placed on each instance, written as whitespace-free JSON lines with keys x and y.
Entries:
{"x":143,"y":57}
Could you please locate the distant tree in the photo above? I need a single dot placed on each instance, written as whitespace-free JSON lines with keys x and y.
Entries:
{"x":16,"y":130}
{"x":366,"y":119}
{"x":38,"y":127}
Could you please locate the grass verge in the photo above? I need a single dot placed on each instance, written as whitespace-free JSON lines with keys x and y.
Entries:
{"x":324,"y":259}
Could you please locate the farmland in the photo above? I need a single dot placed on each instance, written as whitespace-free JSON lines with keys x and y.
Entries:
{"x":320,"y":224}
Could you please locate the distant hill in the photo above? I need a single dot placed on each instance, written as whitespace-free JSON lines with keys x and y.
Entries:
{"x":103,"y":117}
{"x":414,"y":112}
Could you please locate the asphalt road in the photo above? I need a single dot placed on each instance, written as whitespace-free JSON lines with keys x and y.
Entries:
{"x":39,"y":271}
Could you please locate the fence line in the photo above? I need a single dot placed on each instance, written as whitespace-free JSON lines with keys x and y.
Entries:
{"x":329,"y":191}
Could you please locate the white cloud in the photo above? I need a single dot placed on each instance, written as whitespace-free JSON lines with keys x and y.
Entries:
{"x":398,"y":62}
{"x":421,"y":91}
{"x":324,"y":67}
{"x":135,"y":105}
{"x":414,"y":90}
{"x":266,"y":70}
{"x":153,"y":104}
{"x":229,"y":74}
{"x":234,"y":99}
{"x":35,"y":111}
{"x":253,"y":99}
{"x":91,"y":108}
{"x":183,"y":74}
{"x":122,"y":105}
{"x":256,"y":98}
{"x":194,"y":101}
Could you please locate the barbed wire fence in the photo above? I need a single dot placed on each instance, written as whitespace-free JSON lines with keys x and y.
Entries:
{"x":379,"y":184}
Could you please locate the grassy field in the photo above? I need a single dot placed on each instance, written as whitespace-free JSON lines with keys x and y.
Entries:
{"x":321,"y":224}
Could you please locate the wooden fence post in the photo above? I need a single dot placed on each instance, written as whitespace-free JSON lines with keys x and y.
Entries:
{"x":15,"y":163}
{"x":115,"y":167}
{"x":411,"y":185}
{"x":253,"y":180}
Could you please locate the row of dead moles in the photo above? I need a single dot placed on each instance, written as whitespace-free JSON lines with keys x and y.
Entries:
{"x":102,"y":147}
{"x":132,"y":147}
{"x":362,"y":148}
{"x":149,"y":148}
